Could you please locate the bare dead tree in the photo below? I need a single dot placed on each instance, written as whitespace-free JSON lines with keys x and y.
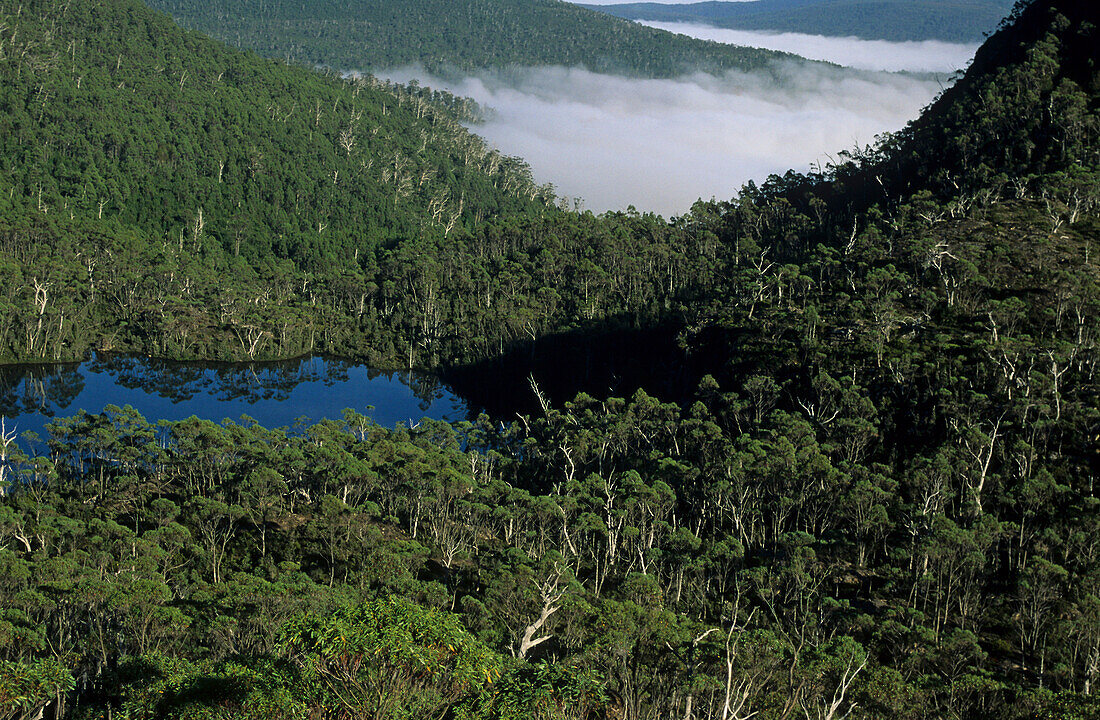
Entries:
{"x":7,"y":438}
{"x":551,"y":591}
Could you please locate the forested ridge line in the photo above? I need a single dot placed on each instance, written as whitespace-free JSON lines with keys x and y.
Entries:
{"x":968,"y":21}
{"x":446,"y":36}
{"x":878,"y":500}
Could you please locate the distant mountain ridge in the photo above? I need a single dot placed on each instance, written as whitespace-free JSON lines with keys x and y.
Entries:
{"x":895,"y":20}
{"x":443,"y":35}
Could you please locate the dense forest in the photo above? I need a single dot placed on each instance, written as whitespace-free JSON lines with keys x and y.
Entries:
{"x":869,"y":494}
{"x":144,"y":165}
{"x":444,"y":36}
{"x":963,"y":21}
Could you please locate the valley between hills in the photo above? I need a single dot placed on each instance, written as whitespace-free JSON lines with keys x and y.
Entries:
{"x":825,"y":449}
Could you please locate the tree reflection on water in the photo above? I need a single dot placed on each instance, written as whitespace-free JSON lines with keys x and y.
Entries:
{"x":52,"y":390}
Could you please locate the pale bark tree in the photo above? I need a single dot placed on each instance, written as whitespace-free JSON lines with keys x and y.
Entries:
{"x":551,"y":592}
{"x":7,"y":439}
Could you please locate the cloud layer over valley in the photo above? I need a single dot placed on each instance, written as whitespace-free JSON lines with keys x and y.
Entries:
{"x":923,"y":56}
{"x":662,"y":144}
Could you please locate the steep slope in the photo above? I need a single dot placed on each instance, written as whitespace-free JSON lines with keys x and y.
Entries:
{"x":164,"y":194}
{"x":1022,"y":116}
{"x":932,"y":319}
{"x":442,"y":35}
{"x":895,"y":20}
{"x":155,"y":123}
{"x":1027,"y":105}
{"x":128,"y":143}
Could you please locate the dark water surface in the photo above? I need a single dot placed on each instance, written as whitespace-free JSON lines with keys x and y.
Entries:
{"x":275,"y":394}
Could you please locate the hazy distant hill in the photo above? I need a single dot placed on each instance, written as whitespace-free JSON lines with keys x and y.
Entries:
{"x":951,"y":20}
{"x":464,"y":34}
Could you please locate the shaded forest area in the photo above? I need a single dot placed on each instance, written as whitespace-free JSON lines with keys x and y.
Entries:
{"x":872,"y":496}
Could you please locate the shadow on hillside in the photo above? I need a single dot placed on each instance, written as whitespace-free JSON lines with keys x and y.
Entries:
{"x":606,"y":360}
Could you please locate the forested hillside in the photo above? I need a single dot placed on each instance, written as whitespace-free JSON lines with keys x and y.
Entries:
{"x":448,"y":35}
{"x":870,"y":495}
{"x":986,"y":131}
{"x":110,"y":111}
{"x":167,"y":195}
{"x":143,"y":166}
{"x":895,"y":20}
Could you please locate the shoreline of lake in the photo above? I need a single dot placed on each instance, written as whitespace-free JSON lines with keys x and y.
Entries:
{"x":274,"y":393}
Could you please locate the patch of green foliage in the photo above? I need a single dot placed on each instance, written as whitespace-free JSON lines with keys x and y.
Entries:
{"x":27,"y":686}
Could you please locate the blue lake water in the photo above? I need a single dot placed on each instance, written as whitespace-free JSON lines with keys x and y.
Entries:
{"x":275,"y":394}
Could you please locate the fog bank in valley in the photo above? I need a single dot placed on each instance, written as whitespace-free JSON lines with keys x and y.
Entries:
{"x":917,"y":56}
{"x":662,"y":144}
